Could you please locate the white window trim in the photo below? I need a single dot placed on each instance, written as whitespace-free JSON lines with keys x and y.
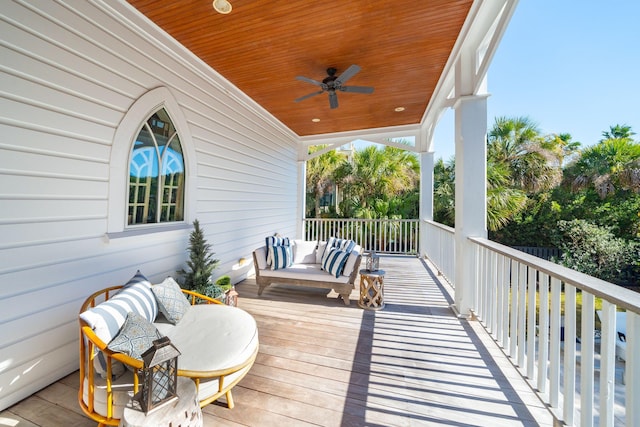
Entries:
{"x":123,"y":139}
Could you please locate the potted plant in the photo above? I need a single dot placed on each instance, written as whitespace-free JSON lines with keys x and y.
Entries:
{"x":201,"y":263}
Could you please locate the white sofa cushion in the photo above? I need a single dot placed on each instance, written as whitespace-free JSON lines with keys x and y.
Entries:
{"x":122,"y":393}
{"x":305,"y":272}
{"x":261,"y":257}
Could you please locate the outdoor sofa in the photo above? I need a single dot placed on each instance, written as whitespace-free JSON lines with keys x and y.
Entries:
{"x":306,"y":266}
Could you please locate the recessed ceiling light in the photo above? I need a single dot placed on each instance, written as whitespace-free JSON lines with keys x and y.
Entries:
{"x":398,"y":109}
{"x":315,"y":120}
{"x":222,"y":6}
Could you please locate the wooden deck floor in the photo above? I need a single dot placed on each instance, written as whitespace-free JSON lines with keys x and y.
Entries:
{"x":323,"y":363}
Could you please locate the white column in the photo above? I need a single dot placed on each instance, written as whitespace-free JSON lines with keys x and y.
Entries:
{"x":471,"y":193}
{"x":426,"y":197}
{"x":302,"y":198}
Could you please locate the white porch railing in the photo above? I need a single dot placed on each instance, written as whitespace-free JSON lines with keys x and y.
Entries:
{"x":519,"y":300}
{"x":390,"y":236}
{"x":573,"y":370}
{"x":441,"y":248}
{"x":518,"y":297}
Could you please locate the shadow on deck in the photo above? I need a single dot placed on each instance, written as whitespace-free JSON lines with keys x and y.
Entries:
{"x":413,"y":363}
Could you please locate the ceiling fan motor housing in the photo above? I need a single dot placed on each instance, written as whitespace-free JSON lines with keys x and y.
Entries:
{"x":331,"y":84}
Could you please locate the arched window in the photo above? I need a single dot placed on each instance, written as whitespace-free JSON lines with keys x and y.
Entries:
{"x":156,"y":173}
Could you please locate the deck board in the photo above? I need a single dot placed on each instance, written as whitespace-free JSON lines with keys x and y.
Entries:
{"x":320,"y":362}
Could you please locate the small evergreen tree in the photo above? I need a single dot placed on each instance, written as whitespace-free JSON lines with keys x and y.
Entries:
{"x":201,"y":262}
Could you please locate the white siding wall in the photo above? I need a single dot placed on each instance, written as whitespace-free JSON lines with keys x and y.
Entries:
{"x":70,"y":70}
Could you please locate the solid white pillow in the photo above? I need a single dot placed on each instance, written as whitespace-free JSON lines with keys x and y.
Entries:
{"x":304,"y":252}
{"x":320,"y":252}
{"x":351,"y":263}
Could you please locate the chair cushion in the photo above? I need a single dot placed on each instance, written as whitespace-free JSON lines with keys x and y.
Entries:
{"x":229,"y":338}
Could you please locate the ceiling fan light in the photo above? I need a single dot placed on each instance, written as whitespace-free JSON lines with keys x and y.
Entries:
{"x":222,"y":6}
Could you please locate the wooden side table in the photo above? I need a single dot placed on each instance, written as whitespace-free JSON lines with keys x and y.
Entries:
{"x":183,"y":412}
{"x":371,"y":290}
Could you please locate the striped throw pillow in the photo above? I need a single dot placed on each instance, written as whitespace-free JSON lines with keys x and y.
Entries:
{"x":345,"y":245}
{"x":330,"y":244}
{"x":334,"y":261}
{"x":281,"y":256}
{"x":107,"y":318}
{"x":138,"y":278}
{"x":274,"y":241}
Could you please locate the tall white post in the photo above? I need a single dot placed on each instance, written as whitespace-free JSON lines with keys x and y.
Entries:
{"x":302,"y":198}
{"x":471,"y":193}
{"x":426,"y":197}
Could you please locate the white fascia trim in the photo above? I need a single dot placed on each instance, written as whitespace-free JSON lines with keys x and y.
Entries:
{"x":484,"y":17}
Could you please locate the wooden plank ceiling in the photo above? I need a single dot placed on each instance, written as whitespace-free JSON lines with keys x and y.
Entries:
{"x":262,"y":45}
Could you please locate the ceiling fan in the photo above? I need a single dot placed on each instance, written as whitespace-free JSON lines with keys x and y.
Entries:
{"x":331,"y":84}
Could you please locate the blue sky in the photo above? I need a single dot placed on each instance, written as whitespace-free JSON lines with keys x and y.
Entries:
{"x":570,"y":66}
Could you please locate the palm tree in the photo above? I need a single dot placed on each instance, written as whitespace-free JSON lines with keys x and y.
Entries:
{"x":516,"y":142}
{"x":612,"y":164}
{"x":617,"y":132}
{"x":320,"y":174}
{"x":444,"y":192}
{"x":374,"y":178}
{"x":503,"y":201}
{"x":561,"y":145}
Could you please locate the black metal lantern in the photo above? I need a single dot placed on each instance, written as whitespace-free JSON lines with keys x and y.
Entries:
{"x":159,"y":375}
{"x":372,"y":261}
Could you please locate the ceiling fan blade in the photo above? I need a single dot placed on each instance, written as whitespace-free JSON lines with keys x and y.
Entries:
{"x":348,"y":73}
{"x":357,"y":89}
{"x":302,"y":98}
{"x":308,"y":80}
{"x":333,"y":100}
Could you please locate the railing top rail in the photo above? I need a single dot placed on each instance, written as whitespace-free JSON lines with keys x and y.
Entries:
{"x":360,"y":220}
{"x":624,"y":298}
{"x":440,"y":226}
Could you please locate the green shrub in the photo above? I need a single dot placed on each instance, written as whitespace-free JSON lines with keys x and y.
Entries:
{"x":595,"y":251}
{"x":224,"y":282}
